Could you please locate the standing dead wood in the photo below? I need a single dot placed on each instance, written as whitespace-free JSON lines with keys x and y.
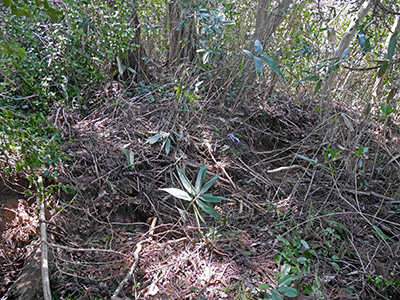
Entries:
{"x":45,"y":261}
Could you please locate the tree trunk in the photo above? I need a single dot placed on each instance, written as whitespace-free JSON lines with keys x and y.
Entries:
{"x":346,"y":40}
{"x":268,"y":21}
{"x":134,"y":58}
{"x":182,"y":29}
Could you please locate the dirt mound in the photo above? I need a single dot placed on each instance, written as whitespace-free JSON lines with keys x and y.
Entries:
{"x":300,"y":197}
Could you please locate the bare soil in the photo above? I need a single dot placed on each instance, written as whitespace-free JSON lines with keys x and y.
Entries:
{"x":111,"y":218}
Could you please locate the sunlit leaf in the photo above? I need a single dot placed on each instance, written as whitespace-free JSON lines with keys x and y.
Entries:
{"x":200,"y":178}
{"x":178,"y":193}
{"x":131,"y":157}
{"x":249,"y":54}
{"x":361,"y":40}
{"x":185,"y":181}
{"x":153,"y":139}
{"x":167,"y":146}
{"x":258,"y":48}
{"x":285,"y":268}
{"x":273,"y":65}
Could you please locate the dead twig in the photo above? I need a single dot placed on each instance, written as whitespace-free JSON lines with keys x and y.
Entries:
{"x":135,"y":263}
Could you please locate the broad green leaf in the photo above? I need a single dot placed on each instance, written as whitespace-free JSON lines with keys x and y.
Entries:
{"x":209,"y":183}
{"x":285,"y":269}
{"x":197,"y":212}
{"x":276,"y":295}
{"x":207,"y":208}
{"x":185,"y":181}
{"x":211,"y":198}
{"x":273,"y":65}
{"x":6,"y":3}
{"x":258,"y":64}
{"x":249,"y":54}
{"x":288,"y":291}
{"x":153,"y":139}
{"x":167,"y":145}
{"x":302,"y":260}
{"x":177,"y":193}
{"x":383,"y":68}
{"x":286,"y":280}
{"x":258,"y":47}
{"x":200,"y":178}
{"x":392,"y":46}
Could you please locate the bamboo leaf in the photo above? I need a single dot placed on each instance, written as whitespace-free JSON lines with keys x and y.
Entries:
{"x":392,"y":46}
{"x":153,"y":139}
{"x":200,"y":178}
{"x":207,"y":208}
{"x":383,"y":68}
{"x":207,"y":186}
{"x":185,"y":181}
{"x":249,"y":54}
{"x":273,"y":65}
{"x":211,"y":198}
{"x":258,"y":64}
{"x":167,"y":146}
{"x":258,"y":47}
{"x":177,"y":193}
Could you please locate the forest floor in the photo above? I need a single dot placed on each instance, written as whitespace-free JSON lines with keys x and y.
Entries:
{"x":333,"y":223}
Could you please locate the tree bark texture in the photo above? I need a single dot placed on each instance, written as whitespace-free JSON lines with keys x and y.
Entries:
{"x":268,"y":21}
{"x":182,"y":32}
{"x":134,"y":58}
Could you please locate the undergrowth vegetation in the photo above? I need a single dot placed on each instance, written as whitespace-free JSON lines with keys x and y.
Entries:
{"x":291,"y":105}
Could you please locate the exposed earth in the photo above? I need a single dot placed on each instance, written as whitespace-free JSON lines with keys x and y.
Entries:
{"x":336,"y":221}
